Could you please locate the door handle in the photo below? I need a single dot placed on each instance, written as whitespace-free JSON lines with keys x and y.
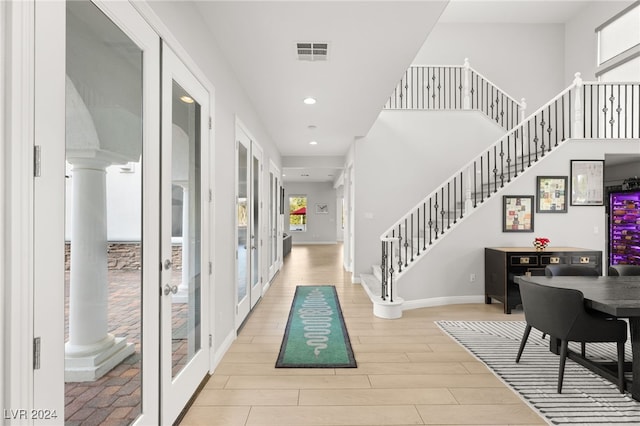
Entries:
{"x":167,"y":264}
{"x":170,"y":289}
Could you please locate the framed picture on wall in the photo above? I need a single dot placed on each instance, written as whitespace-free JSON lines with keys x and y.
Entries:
{"x":587,"y":182}
{"x":552,"y":194}
{"x":517,"y":213}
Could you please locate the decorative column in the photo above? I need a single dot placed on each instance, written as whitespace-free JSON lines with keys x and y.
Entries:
{"x":182,"y":296}
{"x":90,"y":351}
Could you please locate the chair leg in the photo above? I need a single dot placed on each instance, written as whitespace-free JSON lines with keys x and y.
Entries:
{"x":564,"y":344}
{"x":621,"y":367}
{"x":525,"y":336}
{"x":583,"y":350}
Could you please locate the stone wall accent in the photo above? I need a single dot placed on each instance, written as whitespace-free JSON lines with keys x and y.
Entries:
{"x":126,"y":256}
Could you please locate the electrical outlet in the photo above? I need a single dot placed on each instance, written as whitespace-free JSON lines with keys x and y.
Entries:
{"x":472,"y":278}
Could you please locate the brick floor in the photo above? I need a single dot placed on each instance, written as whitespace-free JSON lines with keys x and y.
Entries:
{"x":115,"y":398}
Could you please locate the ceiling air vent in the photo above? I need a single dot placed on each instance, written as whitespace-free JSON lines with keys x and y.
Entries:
{"x":309,"y":51}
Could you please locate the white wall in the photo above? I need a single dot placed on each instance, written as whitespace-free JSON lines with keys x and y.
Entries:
{"x":405,"y":155}
{"x":321,"y":228}
{"x":523,"y":60}
{"x":445,"y":271}
{"x":187,"y":27}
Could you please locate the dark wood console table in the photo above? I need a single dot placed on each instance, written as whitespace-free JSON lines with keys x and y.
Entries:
{"x":503,"y":264}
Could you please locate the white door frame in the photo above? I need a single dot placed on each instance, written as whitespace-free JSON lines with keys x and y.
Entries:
{"x":274,"y":215}
{"x":243,"y":307}
{"x":176,"y":392}
{"x":46,"y":299}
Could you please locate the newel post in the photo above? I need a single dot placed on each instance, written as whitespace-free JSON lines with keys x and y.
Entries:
{"x":466,"y":85}
{"x":523,"y":109}
{"x":578,"y":116}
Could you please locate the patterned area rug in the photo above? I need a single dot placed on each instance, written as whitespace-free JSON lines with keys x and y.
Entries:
{"x":586,"y":398}
{"x":316,"y":336}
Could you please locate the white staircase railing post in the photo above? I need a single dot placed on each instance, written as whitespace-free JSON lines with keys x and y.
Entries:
{"x":466,"y":85}
{"x":578,"y":111}
{"x":523,"y":110}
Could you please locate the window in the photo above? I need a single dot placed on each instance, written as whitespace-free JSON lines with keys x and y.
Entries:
{"x":298,"y":213}
{"x":619,"y":46}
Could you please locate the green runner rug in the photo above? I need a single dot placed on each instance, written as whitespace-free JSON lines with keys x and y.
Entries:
{"x":316,"y":336}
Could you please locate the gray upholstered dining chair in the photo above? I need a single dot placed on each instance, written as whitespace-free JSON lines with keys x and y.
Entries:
{"x":624,"y":270}
{"x":561,"y":313}
{"x":562,"y":270}
{"x":571,"y":270}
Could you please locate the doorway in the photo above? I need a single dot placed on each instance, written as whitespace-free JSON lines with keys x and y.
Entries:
{"x":103,"y":180}
{"x":249,"y":234}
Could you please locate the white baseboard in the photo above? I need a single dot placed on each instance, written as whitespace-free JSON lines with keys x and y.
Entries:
{"x":308,"y":243}
{"x":441,"y":301}
{"x":222,"y":350}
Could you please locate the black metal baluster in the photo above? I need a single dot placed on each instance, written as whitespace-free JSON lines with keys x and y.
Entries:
{"x":449,"y":205}
{"x":442,"y":211}
{"x":430,"y":223}
{"x":435,"y":210}
{"x":412,"y":237}
{"x":501,"y":163}
{"x":618,"y":110}
{"x":433,"y":81}
{"x":455,"y":200}
{"x":383,"y":269}
{"x":495,"y":171}
{"x":461,"y":197}
{"x":522,"y":147}
{"x":400,"y":244}
{"x":535,"y":137}
{"x":515,"y":154}
{"x":611,"y":120}
{"x":597,"y":112}
{"x":508,"y":158}
{"x":418,"y":233}
{"x":481,"y":180}
{"x":439,"y":87}
{"x":528,"y":141}
{"x":475,"y":186}
{"x":424,"y":225}
{"x":406,"y":242}
{"x":542,"y":123}
{"x":422,"y":85}
{"x":549,"y":128}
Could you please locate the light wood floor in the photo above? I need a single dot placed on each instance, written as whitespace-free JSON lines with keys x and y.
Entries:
{"x":408,"y":372}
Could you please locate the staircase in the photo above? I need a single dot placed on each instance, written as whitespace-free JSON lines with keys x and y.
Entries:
{"x":591,"y":110}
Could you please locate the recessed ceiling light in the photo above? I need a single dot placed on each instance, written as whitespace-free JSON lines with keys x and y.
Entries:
{"x":311,"y":127}
{"x":313,"y":143}
{"x":186,"y":99}
{"x":309,"y":101}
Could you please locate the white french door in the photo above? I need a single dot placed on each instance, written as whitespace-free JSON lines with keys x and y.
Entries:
{"x":248,"y":224}
{"x":97,"y":103}
{"x":275,"y":225}
{"x":184,"y":306}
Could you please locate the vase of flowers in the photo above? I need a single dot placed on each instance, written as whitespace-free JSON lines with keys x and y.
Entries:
{"x":540,"y":243}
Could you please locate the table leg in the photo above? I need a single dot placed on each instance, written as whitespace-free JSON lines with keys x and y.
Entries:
{"x":634,"y":324}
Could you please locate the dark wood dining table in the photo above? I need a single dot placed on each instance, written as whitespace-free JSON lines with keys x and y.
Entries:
{"x":616,"y":296}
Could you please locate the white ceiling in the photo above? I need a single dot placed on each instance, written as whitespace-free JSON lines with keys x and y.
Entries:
{"x":371,"y":43}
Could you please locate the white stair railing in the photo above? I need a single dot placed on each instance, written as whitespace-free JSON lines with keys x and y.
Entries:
{"x":455,"y":87}
{"x":582,"y":110}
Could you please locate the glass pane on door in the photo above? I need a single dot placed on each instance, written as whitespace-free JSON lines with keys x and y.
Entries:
{"x":186,"y":229}
{"x":243,"y":222}
{"x":104,"y":99}
{"x":255,"y":228}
